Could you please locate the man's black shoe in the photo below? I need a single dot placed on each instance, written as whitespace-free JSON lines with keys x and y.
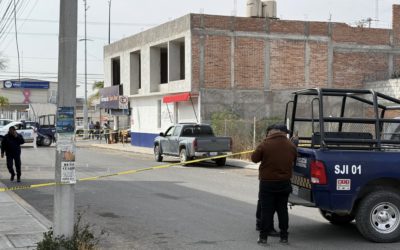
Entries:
{"x":262,"y":241}
{"x":284,"y":241}
{"x":18,"y":179}
{"x":12,"y":177}
{"x":273,"y":233}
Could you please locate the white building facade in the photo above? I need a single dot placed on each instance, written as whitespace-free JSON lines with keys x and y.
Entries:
{"x":154,"y":68}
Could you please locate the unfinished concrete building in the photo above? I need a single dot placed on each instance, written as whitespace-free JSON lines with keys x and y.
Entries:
{"x":189,"y":68}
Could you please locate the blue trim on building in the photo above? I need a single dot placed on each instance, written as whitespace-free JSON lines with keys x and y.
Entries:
{"x":142,"y":139}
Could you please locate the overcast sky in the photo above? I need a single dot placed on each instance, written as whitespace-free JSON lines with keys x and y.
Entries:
{"x":37,"y":22}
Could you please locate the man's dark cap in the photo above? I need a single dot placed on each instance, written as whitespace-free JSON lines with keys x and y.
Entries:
{"x":281,"y":127}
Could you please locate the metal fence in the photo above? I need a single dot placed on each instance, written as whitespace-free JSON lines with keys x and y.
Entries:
{"x":245,"y":134}
{"x":14,"y":115}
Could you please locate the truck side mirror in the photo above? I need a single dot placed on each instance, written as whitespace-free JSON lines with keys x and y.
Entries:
{"x":162,"y":134}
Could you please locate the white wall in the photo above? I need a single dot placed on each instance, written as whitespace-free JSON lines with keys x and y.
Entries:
{"x":389,"y":87}
{"x":144,"y":117}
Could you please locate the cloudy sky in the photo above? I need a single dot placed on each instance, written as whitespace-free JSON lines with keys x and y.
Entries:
{"x":37,"y":22}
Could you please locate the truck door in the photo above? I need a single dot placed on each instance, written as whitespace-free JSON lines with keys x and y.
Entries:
{"x":166,"y":140}
{"x":174,"y":140}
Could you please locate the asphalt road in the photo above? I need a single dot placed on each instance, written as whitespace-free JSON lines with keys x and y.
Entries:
{"x":196,"y":207}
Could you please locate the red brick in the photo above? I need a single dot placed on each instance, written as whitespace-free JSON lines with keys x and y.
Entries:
{"x":249,"y":63}
{"x":396,"y":24}
{"x":318,"y":28}
{"x":318,"y":64}
{"x":366,"y":36}
{"x":250,"y":24}
{"x":217,"y":62}
{"x":287,"y":64}
{"x":351,"y":69}
{"x":280,"y":26}
{"x":195,"y":64}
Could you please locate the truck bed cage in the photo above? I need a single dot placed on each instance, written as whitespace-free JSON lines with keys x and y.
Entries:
{"x":359,"y":140}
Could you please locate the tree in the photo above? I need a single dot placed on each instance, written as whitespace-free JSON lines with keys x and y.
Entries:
{"x":96,"y":95}
{"x":3,"y":102}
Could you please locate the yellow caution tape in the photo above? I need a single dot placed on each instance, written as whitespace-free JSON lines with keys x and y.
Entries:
{"x":134,"y":171}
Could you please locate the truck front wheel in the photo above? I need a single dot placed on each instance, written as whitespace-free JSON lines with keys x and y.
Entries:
{"x":337,"y":219}
{"x":378,"y":216}
{"x":157,"y":153}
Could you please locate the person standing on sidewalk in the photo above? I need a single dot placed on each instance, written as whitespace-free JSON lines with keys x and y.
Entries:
{"x":277,"y":155}
{"x":11,"y":145}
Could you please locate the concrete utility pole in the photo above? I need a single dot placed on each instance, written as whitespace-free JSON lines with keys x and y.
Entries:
{"x":109,"y":20}
{"x":85,"y":108}
{"x":64,"y":196}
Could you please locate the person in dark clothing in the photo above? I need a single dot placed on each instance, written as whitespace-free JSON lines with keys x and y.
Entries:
{"x":11,"y":145}
{"x":277,"y":155}
{"x":271,"y":231}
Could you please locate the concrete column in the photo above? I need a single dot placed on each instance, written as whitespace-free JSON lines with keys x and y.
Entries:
{"x":174,"y":55}
{"x":330,"y":56}
{"x":233,"y":44}
{"x":267,"y":70}
{"x":155,"y":78}
{"x":134,"y":72}
{"x":307,"y":61}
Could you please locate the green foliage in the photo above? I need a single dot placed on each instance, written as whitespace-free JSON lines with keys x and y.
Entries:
{"x":82,"y":239}
{"x":96,"y":95}
{"x":3,"y":101}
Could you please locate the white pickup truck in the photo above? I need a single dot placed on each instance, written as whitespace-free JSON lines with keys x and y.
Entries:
{"x":23,"y":128}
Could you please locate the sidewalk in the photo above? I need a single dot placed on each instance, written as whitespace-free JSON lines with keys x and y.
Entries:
{"x":142,"y":150}
{"x":21,"y":226}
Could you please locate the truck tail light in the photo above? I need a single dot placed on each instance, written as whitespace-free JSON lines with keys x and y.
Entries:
{"x":195,"y":144}
{"x":318,"y":173}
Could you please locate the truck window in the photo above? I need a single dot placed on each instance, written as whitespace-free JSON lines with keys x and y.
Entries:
{"x":177,"y":131}
{"x":169,"y":131}
{"x":202,"y":131}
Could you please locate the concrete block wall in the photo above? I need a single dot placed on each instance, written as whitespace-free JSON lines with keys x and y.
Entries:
{"x":390,"y":87}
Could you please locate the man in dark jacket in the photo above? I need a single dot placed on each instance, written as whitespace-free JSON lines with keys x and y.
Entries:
{"x":11,"y":145}
{"x":277,"y":155}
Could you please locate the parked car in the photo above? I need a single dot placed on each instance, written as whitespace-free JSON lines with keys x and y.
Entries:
{"x":4,"y":122}
{"x":189,"y":141}
{"x":22,"y":129}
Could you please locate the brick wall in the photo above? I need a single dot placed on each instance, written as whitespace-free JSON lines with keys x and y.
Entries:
{"x":396,"y":64}
{"x":217,"y":62}
{"x":249,"y":63}
{"x":287,"y":64}
{"x":293,"y":27}
{"x":367,"y":36}
{"x":350,"y":69}
{"x":318,"y":64}
{"x":396,"y":25}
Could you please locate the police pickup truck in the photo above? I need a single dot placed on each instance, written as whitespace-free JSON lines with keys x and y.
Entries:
{"x":189,"y":141}
{"x":348,"y":161}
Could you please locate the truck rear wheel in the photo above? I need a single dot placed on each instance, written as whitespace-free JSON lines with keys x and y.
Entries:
{"x":337,"y":219}
{"x":378,"y":216}
{"x":183,"y":156}
{"x":46,"y":141}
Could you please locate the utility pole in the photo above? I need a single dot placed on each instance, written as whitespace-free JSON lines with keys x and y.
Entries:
{"x":85,"y":108}
{"x":109,"y":20}
{"x":64,"y":195}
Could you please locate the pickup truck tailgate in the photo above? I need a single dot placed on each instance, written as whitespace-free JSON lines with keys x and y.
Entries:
{"x":213,"y":144}
{"x":301,"y":180}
